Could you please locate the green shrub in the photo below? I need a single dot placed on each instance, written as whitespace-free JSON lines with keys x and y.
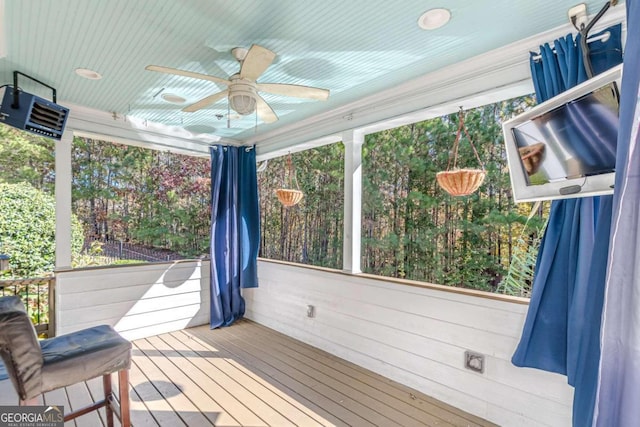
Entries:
{"x":27,"y":230}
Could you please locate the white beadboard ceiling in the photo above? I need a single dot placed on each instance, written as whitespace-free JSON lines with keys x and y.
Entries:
{"x":354,"y":48}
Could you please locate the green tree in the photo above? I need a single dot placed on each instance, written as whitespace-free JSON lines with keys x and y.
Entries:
{"x":152,"y":198}
{"x":311,"y":231}
{"x":413,"y":229}
{"x":27,"y":230}
{"x":25,"y":157}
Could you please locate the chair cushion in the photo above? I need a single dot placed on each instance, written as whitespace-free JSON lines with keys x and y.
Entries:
{"x":82,"y":355}
{"x":19,"y":347}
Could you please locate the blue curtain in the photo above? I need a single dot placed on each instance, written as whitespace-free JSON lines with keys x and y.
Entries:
{"x":562,"y":327}
{"x":619,"y":389}
{"x":235,"y":231}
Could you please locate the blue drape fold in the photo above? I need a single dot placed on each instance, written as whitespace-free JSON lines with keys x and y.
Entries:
{"x":235,"y":231}
{"x":619,"y":386}
{"x":563,"y":321}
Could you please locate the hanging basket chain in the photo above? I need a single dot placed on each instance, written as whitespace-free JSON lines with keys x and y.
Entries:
{"x":292,"y":174}
{"x":456,"y":143}
{"x":461,"y":182}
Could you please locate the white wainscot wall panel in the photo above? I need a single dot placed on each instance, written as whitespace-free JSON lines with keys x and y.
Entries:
{"x":416,"y":336}
{"x":138,"y":301}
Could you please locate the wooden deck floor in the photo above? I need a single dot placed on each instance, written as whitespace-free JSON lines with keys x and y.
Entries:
{"x":249,"y":375}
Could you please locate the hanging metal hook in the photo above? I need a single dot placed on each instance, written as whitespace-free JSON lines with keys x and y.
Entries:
{"x":584,"y":33}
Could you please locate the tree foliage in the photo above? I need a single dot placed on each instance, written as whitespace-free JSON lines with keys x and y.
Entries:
{"x":119,"y":193}
{"x":27,"y":230}
{"x":411,"y":228}
{"x":25,"y":157}
{"x":311,"y":231}
{"x":157,"y":199}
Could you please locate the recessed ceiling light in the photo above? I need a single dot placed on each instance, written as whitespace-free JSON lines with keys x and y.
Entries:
{"x":434,"y":18}
{"x":173,"y":98}
{"x":88,"y":74}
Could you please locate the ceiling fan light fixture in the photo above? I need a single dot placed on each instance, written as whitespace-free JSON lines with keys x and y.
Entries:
{"x":434,"y":18}
{"x":242,"y":96}
{"x":243,"y":104}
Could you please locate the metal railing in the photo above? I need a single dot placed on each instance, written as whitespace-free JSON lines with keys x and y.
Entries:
{"x":38,"y":295}
{"x":114,"y":250}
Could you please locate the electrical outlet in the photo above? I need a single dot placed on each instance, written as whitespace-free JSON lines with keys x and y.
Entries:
{"x":474,"y":361}
{"x":311,"y":311}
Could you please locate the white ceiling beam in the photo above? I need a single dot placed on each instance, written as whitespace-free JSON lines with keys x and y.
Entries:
{"x":123,"y":129}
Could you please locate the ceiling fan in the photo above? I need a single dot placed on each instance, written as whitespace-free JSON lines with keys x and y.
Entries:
{"x":242,"y":87}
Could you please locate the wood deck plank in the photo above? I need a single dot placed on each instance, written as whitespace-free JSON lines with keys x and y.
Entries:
{"x":170,"y":391}
{"x":249,"y":387}
{"x":272,"y":411}
{"x":358,"y":391}
{"x":287,"y":401}
{"x":410,"y":401}
{"x":250,"y":375}
{"x":58,"y":397}
{"x":145,"y":395}
{"x":375,"y":397}
{"x":8,"y":395}
{"x":193,"y":397}
{"x":79,"y":398}
{"x":280,"y":379}
{"x":339,"y":405}
{"x":96,"y":391}
{"x":207,"y":389}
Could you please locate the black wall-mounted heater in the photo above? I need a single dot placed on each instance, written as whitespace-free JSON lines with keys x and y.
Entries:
{"x":29,"y":112}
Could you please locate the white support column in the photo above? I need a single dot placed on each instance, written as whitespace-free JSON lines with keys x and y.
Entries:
{"x":63,"y":200}
{"x":353,"y":141}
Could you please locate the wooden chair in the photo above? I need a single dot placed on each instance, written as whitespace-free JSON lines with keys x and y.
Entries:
{"x":36,"y":367}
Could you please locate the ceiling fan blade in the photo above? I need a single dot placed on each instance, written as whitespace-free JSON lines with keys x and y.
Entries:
{"x":265,"y":112}
{"x":205,"y":102}
{"x":256,"y":62}
{"x":184,"y":73}
{"x":294,"y":90}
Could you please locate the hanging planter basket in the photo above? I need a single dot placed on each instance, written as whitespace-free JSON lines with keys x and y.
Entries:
{"x":290,"y":196}
{"x":461,"y":182}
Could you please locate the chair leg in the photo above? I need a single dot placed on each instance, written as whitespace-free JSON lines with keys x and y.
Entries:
{"x":123,"y":386}
{"x":108,"y":397}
